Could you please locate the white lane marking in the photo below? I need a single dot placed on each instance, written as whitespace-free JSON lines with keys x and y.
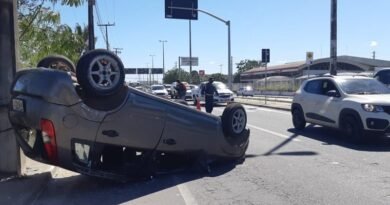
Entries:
{"x":186,"y":194}
{"x":273,"y":133}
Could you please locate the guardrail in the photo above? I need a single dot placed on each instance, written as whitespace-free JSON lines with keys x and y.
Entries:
{"x":281,"y":99}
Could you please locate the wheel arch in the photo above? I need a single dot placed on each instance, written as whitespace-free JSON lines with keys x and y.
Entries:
{"x":349,"y":112}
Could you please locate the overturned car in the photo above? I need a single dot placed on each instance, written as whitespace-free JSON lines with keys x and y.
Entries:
{"x":98,"y":126}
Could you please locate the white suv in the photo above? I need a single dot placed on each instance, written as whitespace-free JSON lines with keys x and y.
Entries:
{"x":354,"y":104}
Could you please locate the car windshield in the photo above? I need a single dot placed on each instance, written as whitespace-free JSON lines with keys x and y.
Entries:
{"x":384,"y":77}
{"x":363,"y":86}
{"x":219,"y":85}
{"x":158,"y":87}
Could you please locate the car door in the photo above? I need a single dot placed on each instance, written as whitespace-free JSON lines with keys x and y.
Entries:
{"x":329,"y":106}
{"x":308,"y":99}
{"x":138,"y":124}
{"x":323,"y":108}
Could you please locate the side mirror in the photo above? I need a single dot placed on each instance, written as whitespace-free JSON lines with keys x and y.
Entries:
{"x":333,"y":93}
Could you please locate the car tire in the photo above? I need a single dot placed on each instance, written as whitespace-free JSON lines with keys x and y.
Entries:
{"x":57,"y":62}
{"x":234,"y":120}
{"x":298,"y":119}
{"x":100,"y":73}
{"x":352,"y":128}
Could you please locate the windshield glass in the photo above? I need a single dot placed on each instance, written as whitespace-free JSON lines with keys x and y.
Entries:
{"x":363,"y":86}
{"x":219,"y":85}
{"x":384,"y":77}
{"x":158,"y":87}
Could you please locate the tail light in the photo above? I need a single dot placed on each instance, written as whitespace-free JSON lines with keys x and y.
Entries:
{"x":49,"y":140}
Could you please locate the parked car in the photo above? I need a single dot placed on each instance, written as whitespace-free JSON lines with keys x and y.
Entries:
{"x":189,"y":88}
{"x":168,"y":88}
{"x":224,"y":94}
{"x":354,"y":104}
{"x":383,"y":76}
{"x":159,"y":90}
{"x":98,"y":126}
{"x":245,"y":91}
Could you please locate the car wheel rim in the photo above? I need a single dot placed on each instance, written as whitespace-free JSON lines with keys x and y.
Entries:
{"x":104,"y":72}
{"x":239,"y":121}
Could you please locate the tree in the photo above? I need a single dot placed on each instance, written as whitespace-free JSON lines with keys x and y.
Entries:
{"x":219,"y":77}
{"x":42,"y":34}
{"x":243,"y":66}
{"x":176,"y":74}
{"x":195,"y":77}
{"x":246,"y":64}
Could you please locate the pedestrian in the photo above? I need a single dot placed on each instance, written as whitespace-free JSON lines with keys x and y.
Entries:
{"x":181,"y":89}
{"x":209,"y":90}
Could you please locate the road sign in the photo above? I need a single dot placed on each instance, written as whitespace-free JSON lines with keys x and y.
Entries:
{"x":181,"y":9}
{"x":142,"y":70}
{"x":130,"y":70}
{"x":265,"y":55}
{"x":201,"y":73}
{"x":157,"y":71}
{"x":309,"y":58}
{"x":185,"y":61}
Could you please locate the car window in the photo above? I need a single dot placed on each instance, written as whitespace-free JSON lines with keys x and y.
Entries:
{"x":157,"y":87}
{"x":328,"y":85}
{"x":363,"y":86}
{"x":314,"y":87}
{"x":219,"y":85}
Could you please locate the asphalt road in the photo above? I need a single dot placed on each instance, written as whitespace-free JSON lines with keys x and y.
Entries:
{"x":316,"y":166}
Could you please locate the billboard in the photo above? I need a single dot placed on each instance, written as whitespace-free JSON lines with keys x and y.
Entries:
{"x":181,"y":9}
{"x":185,"y":61}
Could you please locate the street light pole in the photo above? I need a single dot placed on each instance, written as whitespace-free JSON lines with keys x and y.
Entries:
{"x":229,"y":41}
{"x":163,"y":42}
{"x":152,"y":68}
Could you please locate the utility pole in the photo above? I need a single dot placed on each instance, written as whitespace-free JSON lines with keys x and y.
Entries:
{"x":333,"y":38}
{"x":106,"y":25}
{"x":91,"y":31}
{"x":117,"y":50}
{"x":220,"y":67}
{"x":190,"y":51}
{"x":152,"y":66}
{"x":163,"y":42}
{"x":373,"y":55}
{"x":11,"y":162}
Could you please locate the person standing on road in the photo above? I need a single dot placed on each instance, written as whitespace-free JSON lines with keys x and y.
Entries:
{"x":181,"y":89}
{"x":209,"y":90}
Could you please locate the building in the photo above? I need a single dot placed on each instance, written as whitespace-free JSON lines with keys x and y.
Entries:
{"x":345,"y":64}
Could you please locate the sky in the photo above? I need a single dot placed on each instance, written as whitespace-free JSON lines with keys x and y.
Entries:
{"x":289,"y":28}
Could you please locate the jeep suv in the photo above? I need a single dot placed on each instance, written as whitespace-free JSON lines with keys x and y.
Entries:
{"x":354,"y":104}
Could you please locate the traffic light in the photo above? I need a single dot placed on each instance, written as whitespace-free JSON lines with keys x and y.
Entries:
{"x":265,"y":55}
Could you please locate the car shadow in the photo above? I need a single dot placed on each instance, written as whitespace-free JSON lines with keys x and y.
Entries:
{"x":329,"y":136}
{"x":81,"y":189}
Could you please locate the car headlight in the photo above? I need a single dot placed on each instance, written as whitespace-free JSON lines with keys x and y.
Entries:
{"x":372,"y":108}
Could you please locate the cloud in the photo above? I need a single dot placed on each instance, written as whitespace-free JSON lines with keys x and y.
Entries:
{"x":212,"y":63}
{"x":373,"y":43}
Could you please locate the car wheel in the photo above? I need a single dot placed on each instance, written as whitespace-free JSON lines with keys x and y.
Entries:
{"x":298,"y":119}
{"x":100,"y":73}
{"x":57,"y":62}
{"x":234,"y":120}
{"x":352,"y":128}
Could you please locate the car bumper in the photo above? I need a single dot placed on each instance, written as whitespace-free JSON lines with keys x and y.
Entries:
{"x":377,"y":122}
